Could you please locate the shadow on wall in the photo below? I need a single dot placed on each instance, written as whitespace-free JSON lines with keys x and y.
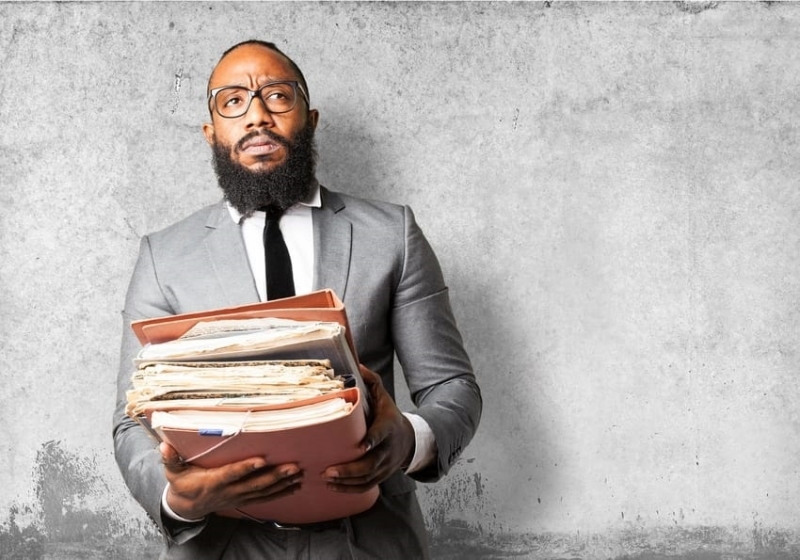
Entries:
{"x":350,"y":159}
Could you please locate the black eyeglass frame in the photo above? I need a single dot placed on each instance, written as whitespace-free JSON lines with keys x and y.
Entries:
{"x":296,"y":86}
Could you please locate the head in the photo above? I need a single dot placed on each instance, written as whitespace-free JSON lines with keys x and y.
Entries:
{"x":261,"y":157}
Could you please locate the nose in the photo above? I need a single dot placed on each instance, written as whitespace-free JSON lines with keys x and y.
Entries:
{"x":257,"y":114}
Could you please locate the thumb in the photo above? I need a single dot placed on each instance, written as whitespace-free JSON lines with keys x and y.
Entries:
{"x":371,"y":379}
{"x":172,"y":461}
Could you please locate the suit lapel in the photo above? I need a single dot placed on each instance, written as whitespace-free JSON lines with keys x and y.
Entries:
{"x":332,"y":244}
{"x":229,"y":261}
{"x":228,"y":257}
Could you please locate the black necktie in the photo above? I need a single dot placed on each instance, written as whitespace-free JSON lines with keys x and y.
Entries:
{"x":280,"y":283}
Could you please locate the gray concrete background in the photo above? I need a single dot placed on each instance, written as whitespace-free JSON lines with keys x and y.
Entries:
{"x":613,"y":193}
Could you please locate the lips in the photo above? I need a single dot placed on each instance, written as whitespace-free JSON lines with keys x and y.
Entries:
{"x":259,"y":145}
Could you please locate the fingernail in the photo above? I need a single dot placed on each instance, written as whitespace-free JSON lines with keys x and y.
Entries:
{"x":332,"y":473}
{"x":290,"y":471}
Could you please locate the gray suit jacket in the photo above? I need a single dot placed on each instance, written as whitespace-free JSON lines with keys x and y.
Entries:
{"x":375,"y":257}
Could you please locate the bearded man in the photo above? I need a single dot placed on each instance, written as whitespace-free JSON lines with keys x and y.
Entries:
{"x":373,"y":255}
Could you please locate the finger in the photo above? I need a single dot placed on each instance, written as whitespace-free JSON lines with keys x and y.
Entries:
{"x":355,"y":477}
{"x":348,"y":489}
{"x":367,"y":479}
{"x":172,"y":461}
{"x":377,"y":433}
{"x":270,"y":485}
{"x":288,"y":491}
{"x":267,"y":476}
{"x":387,"y":421}
{"x":360,"y":471}
{"x":234,"y":472}
{"x":371,"y":379}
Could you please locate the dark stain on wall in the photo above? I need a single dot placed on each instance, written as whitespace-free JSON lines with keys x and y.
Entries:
{"x":17,"y":543}
{"x":72,"y":517}
{"x":464,"y":493}
{"x":694,"y":7}
{"x":66,"y":489}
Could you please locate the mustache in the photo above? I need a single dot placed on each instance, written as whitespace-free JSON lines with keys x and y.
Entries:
{"x":262,"y":132}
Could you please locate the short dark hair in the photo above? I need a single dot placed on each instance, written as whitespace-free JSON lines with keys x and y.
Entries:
{"x":272,"y":47}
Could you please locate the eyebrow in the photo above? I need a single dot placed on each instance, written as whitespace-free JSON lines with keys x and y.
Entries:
{"x":269,"y":80}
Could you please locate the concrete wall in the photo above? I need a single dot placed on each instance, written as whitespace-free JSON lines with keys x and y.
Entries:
{"x":613,"y":193}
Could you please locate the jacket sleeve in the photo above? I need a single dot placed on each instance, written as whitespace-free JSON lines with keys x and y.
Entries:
{"x":136,"y":452}
{"x":430,"y":350}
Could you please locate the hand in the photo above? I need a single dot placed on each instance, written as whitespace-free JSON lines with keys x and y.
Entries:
{"x":388,"y":446}
{"x":194,"y":492}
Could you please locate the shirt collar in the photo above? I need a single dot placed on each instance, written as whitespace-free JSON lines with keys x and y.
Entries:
{"x":314,"y":200}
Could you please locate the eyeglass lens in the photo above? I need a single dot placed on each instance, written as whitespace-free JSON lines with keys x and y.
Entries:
{"x":234,"y":101}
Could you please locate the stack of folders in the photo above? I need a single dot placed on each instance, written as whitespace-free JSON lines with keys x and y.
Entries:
{"x":237,"y":385}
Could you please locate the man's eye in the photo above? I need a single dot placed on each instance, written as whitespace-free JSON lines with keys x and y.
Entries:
{"x":233,"y":101}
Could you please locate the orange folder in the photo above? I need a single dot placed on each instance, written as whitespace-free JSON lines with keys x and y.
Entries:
{"x":314,"y":448}
{"x":322,"y":305}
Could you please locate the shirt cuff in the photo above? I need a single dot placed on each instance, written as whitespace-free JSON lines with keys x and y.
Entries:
{"x":172,"y":514}
{"x":425,"y":449}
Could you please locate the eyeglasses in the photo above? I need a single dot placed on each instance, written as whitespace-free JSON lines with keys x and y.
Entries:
{"x":234,"y":101}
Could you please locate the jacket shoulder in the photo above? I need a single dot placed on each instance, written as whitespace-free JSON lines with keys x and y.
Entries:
{"x":363,"y":211}
{"x":190,"y":227}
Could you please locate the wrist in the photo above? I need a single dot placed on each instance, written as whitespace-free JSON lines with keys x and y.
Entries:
{"x":424,"y":447}
{"x":170,"y":509}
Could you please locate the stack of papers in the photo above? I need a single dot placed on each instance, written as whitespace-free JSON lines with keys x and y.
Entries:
{"x":267,"y":338}
{"x":228,"y":423}
{"x":234,"y":385}
{"x":245,"y":385}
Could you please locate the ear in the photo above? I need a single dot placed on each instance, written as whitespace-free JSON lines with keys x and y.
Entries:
{"x":313,"y":116}
{"x":208,"y":132}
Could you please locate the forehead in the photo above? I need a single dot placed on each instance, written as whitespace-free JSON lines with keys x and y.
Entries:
{"x":250,"y":64}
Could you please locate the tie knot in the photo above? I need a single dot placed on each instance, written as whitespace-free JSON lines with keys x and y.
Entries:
{"x":273,"y":212}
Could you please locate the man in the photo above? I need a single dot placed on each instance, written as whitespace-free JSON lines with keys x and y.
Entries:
{"x":373,"y":255}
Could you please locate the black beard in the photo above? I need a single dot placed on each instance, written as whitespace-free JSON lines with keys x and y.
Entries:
{"x":287,"y":184}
